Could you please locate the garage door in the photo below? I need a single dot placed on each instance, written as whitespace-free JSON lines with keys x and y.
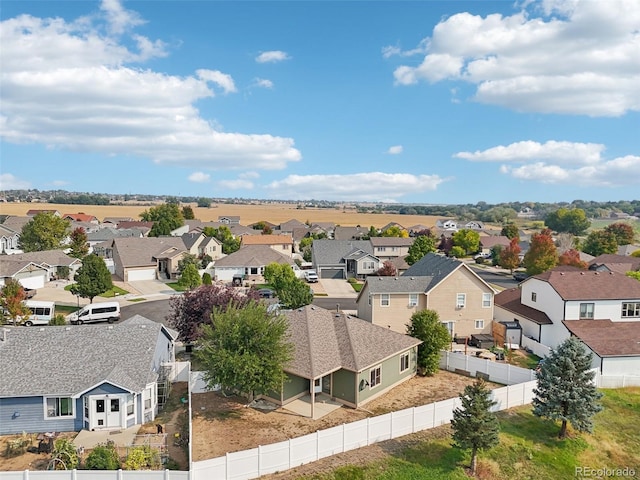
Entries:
{"x":332,"y":273}
{"x":34,"y":282}
{"x":137,"y":275}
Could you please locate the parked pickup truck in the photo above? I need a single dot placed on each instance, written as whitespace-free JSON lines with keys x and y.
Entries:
{"x":310,"y":276}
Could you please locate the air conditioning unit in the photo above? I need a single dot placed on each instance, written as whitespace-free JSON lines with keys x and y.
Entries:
{"x":459,"y":306}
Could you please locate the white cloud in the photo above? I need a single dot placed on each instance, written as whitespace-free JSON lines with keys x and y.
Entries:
{"x":119,"y":19}
{"x":272,"y":56}
{"x":562,"y":152}
{"x":221,"y":79}
{"x":68,"y":86}
{"x":238,"y":184}
{"x":253,"y":175}
{"x":199,"y":177}
{"x":10,"y":182}
{"x":569,"y":57}
{"x":395,"y":150}
{"x":263,"y":83}
{"x":371,"y":186}
{"x":619,"y":172}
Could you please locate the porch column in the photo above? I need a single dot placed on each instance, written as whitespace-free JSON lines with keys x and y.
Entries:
{"x":313,"y":397}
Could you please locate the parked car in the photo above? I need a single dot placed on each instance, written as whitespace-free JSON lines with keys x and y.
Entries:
{"x":520,"y":276}
{"x":30,"y":292}
{"x":311,"y":276}
{"x":266,"y":293}
{"x":482,"y":255}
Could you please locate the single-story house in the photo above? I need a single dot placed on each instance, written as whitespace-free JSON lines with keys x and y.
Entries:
{"x":345,"y":357}
{"x":615,"y":345}
{"x":27,"y":273}
{"x":138,"y":259}
{"x":52,"y":260}
{"x":249,"y":262}
{"x":70,"y":378}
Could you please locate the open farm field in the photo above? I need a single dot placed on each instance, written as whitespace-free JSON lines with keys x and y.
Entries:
{"x":273,"y":212}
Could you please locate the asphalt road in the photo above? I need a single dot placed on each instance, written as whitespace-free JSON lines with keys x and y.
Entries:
{"x":498,"y":279}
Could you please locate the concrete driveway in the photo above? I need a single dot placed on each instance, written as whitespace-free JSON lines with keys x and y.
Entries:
{"x":335,"y":288}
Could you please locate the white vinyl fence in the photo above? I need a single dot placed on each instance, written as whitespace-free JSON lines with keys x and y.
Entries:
{"x":292,"y":453}
{"x":622,"y":381}
{"x":95,"y":475}
{"x":536,"y":347}
{"x":495,"y":372}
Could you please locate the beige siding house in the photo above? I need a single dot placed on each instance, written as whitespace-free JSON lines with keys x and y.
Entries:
{"x":463,"y":300}
{"x":390,"y":248}
{"x":280,"y":243}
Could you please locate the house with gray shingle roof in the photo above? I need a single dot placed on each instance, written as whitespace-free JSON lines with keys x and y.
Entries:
{"x":70,"y":378}
{"x":462,"y":299}
{"x":344,"y":258}
{"x":27,"y":273}
{"x":249,"y":262}
{"x":9,"y":240}
{"x":54,"y":261}
{"x":345,"y":357}
{"x":144,"y":258}
{"x":545,"y":305}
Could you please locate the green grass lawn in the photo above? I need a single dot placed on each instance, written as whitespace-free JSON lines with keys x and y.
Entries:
{"x":177,"y":287}
{"x":115,"y":291}
{"x":528,"y":449}
{"x":65,"y":309}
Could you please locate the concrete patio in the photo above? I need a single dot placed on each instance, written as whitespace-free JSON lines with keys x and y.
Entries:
{"x":122,"y":438}
{"x":323,"y":406}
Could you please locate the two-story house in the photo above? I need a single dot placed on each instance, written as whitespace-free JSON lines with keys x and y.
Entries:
{"x":551,"y":305}
{"x":390,"y":248}
{"x":462,"y":299}
{"x":280,"y":243}
{"x":344,"y":258}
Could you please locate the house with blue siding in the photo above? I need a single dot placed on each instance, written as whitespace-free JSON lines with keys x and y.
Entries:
{"x":70,"y":378}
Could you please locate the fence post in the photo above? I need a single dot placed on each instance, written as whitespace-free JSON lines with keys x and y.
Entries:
{"x":289,"y":450}
{"x":433,"y":423}
{"x":226,"y":465}
{"x":317,"y":444}
{"x":367,"y":431}
{"x":259,"y":460}
{"x":508,"y":374}
{"x":391,"y":426}
{"x":413,"y":419}
{"x":343,"y":439}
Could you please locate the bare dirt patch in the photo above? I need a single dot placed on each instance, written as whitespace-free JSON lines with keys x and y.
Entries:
{"x":224,"y":424}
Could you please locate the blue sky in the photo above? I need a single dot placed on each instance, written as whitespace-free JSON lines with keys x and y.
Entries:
{"x":417,"y":101}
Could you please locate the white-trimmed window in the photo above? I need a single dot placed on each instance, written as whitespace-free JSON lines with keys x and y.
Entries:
{"x":57,"y":407}
{"x":375,"y":376}
{"x":486,"y":300}
{"x":147,"y":398}
{"x":534,"y":296}
{"x":449,"y":326}
{"x":404,"y":362}
{"x":586,"y":311}
{"x":479,"y":324}
{"x":461,"y":300}
{"x":630,"y":310}
{"x":384,"y":299}
{"x":413,"y":299}
{"x":130,"y":400}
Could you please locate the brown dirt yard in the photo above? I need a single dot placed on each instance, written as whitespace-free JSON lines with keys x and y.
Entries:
{"x":223,"y":424}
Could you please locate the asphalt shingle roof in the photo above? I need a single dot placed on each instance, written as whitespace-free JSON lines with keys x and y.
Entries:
{"x":68,"y":360}
{"x":509,"y":299}
{"x":402,"y":284}
{"x":332,"y":252}
{"x":589,"y":285}
{"x":607,"y":338}
{"x":437,"y":266}
{"x":326,"y":341}
{"x":137,"y":252}
{"x":253,"y":256}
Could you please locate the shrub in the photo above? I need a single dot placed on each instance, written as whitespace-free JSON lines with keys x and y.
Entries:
{"x":58,"y":320}
{"x":141,"y":458}
{"x":206,"y":278}
{"x":103,"y":457}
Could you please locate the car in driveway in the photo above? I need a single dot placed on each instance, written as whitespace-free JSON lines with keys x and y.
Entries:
{"x":311,"y":276}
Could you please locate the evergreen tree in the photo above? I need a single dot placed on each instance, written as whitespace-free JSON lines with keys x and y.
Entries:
{"x":475,"y":427}
{"x":92,"y":278}
{"x":190,"y":277}
{"x":187,"y":212}
{"x":419,"y":248}
{"x":79,"y":244}
{"x":426,"y":326}
{"x":206,"y":278}
{"x":245,"y":349}
{"x":45,"y":231}
{"x":542,"y":254}
{"x":565,"y":390}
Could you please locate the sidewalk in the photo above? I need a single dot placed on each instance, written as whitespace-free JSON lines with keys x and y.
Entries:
{"x":145,"y":290}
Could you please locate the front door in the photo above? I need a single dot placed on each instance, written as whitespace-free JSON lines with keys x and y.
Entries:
{"x":326,"y":384}
{"x":105,"y":412}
